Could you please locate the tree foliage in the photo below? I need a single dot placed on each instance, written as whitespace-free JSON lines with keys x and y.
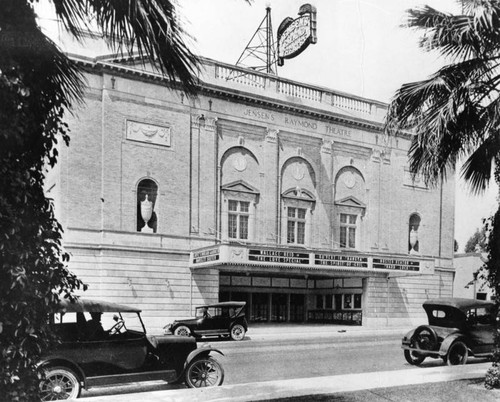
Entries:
{"x":477,"y":242}
{"x":455,"y":113}
{"x":38,"y":85}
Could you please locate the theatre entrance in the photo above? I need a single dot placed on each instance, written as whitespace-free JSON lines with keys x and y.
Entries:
{"x":277,"y":299}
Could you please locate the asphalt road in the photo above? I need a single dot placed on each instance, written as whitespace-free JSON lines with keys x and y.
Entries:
{"x":266,"y":360}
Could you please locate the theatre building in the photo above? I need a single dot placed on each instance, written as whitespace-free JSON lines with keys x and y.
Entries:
{"x":282,"y":194}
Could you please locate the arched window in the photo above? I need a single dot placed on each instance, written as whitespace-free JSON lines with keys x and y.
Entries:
{"x":147,"y":192}
{"x":413,"y":226}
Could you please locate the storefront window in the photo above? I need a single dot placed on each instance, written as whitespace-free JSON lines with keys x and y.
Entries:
{"x":357,"y":301}
{"x":238,"y":219}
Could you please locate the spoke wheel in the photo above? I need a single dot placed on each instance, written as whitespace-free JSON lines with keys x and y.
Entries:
{"x":204,"y":372}
{"x":182,"y":331}
{"x":237,"y":332}
{"x":59,"y":383}
{"x":414,"y":358}
{"x":457,"y":354}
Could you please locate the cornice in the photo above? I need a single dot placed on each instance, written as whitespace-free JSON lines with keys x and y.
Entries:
{"x":234,"y":94}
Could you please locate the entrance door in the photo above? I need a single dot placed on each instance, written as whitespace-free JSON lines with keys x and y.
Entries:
{"x":279,"y":307}
{"x":296,"y":308}
{"x":260,"y":307}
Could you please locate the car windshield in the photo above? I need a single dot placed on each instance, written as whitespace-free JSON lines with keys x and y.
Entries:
{"x":107,"y":319}
{"x":220,"y":311}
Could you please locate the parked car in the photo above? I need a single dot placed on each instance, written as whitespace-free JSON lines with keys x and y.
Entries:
{"x":219,"y":319}
{"x":457,"y":328}
{"x":90,"y":356}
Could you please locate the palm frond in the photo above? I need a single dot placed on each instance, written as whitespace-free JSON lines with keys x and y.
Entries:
{"x":458,"y":36}
{"x":149,"y":27}
{"x":477,"y":169}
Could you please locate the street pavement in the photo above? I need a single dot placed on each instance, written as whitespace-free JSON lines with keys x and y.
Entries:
{"x":443,"y":383}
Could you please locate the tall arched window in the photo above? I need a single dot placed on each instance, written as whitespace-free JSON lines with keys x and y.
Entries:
{"x":413,"y":226}
{"x":147,"y":192}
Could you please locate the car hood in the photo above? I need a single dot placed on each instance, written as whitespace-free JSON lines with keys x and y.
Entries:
{"x":187,"y":321}
{"x":157,"y":340}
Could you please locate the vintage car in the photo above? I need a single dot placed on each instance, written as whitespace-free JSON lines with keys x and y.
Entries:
{"x":88,"y":355}
{"x":218,"y":319}
{"x":457,"y":328}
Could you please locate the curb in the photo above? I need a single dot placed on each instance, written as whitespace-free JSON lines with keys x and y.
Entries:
{"x":306,"y":387}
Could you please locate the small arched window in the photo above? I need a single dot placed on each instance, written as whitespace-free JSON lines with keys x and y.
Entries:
{"x":413,"y":226}
{"x":147,"y":192}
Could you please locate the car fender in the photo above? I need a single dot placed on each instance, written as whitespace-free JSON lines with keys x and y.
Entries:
{"x":203,"y":351}
{"x":445,"y":345}
{"x":55,"y":360}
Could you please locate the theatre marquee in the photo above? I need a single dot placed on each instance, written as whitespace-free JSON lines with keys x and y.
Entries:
{"x":229,"y":254}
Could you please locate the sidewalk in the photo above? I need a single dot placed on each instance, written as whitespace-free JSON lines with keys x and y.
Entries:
{"x":301,"y":331}
{"x":350,"y":387}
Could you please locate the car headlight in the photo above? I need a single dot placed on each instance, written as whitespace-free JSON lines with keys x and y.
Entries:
{"x":168,"y":328}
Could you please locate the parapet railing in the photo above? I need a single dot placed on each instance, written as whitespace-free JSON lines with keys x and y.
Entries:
{"x":267,"y":84}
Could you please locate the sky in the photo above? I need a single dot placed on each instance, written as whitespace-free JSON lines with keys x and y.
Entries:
{"x":362,"y":49}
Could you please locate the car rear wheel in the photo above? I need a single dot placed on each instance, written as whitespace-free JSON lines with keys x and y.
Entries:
{"x":237,"y":332}
{"x":204,"y":372}
{"x":59,"y":383}
{"x":414,"y":358}
{"x":182,"y":330}
{"x":457,"y":354}
{"x":425,"y":338}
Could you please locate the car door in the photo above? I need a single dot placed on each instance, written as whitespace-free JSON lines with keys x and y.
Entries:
{"x":214,"y":324}
{"x":481,"y":330}
{"x":113,"y":354}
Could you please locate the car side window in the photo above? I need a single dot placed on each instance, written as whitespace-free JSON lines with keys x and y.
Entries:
{"x":214,"y":311}
{"x":483,"y":316}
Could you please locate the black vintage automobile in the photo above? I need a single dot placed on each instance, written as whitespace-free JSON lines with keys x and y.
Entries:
{"x":89,"y":355}
{"x":457,"y":328}
{"x":218,"y":319}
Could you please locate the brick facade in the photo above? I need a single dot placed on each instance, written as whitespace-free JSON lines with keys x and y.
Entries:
{"x":275,"y":149}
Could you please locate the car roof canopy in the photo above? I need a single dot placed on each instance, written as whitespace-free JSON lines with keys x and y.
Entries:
{"x":458,"y":303}
{"x":94,"y":306}
{"x":225,"y":304}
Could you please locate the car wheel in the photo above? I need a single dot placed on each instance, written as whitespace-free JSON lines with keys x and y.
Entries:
{"x":204,"y":372}
{"x":237,"y":332}
{"x":182,"y":330}
{"x":59,"y":383}
{"x":425,"y":338}
{"x":414,"y":358}
{"x":457,"y":353}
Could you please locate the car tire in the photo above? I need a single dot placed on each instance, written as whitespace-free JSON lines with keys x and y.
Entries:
{"x":182,"y":330}
{"x":59,"y":383}
{"x":457,"y":354}
{"x":425,"y":338}
{"x":237,"y":332}
{"x":204,"y":372}
{"x":414,"y":358}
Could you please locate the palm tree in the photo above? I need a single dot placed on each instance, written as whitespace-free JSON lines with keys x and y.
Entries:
{"x":455,"y":113}
{"x":38,"y":85}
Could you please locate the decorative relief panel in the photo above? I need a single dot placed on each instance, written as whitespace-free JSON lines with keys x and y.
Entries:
{"x":149,"y":133}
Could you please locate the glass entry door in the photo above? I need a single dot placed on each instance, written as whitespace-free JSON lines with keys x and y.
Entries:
{"x":260,"y":307}
{"x":296,"y":308}
{"x":278,"y":307}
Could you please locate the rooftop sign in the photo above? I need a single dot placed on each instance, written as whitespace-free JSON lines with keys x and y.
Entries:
{"x":294,"y":35}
